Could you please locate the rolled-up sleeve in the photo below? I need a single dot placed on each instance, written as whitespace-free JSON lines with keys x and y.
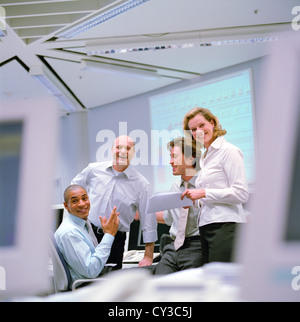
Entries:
{"x":148,"y":221}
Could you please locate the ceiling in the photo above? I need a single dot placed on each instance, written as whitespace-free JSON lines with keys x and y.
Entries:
{"x":162,"y":41}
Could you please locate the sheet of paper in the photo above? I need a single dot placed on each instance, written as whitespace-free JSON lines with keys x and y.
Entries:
{"x":167,"y":200}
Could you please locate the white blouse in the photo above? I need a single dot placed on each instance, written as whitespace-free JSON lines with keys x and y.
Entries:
{"x":223,"y":177}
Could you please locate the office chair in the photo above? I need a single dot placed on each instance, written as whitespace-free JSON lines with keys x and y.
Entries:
{"x":61,"y":272}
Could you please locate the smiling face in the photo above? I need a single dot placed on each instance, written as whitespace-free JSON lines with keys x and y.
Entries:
{"x":77,"y":202}
{"x":202,"y":129}
{"x":180,"y":165}
{"x":122,"y":152}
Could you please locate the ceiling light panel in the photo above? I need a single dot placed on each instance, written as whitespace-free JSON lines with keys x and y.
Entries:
{"x":101,"y":17}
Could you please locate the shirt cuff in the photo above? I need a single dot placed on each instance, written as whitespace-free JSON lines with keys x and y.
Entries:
{"x":108,"y":239}
{"x":167,"y":218}
{"x":150,"y":236}
{"x":198,"y":204}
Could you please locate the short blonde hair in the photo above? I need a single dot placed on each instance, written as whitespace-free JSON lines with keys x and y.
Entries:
{"x":208,"y":115}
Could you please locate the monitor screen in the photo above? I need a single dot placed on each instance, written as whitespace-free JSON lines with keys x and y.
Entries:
{"x":136,"y":242}
{"x":10,"y":159}
{"x":230,"y":98}
{"x":27,"y":160}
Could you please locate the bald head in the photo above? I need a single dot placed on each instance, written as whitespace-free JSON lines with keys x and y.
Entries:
{"x":71,"y":188}
{"x":77,"y":201}
{"x":124,"y":140}
{"x":122,"y":152}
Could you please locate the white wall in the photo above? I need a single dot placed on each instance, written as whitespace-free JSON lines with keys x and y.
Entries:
{"x":73,"y":152}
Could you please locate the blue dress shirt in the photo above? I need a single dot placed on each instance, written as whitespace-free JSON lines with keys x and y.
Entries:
{"x":83,"y":258}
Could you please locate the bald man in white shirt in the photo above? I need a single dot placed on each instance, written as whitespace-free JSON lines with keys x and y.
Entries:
{"x":117,"y":183}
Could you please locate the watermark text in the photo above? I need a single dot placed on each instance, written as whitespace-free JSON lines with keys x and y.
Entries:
{"x":296,"y":19}
{"x":2,"y":279}
{"x":296,"y":280}
{"x":154,"y":143}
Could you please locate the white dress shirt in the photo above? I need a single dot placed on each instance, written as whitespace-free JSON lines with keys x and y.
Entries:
{"x":128,"y":191}
{"x":171,"y":216}
{"x":223,"y":177}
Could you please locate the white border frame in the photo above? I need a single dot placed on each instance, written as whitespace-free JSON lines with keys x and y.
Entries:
{"x":26,"y":263}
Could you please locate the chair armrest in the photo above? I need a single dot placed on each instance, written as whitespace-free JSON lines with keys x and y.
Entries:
{"x":86,"y":280}
{"x":107,"y":268}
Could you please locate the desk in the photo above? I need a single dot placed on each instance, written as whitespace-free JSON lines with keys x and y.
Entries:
{"x":211,"y":283}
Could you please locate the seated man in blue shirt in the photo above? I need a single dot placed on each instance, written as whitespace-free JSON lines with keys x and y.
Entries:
{"x":76,"y":240}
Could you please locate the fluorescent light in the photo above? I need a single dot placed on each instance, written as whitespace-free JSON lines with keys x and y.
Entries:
{"x":119,"y":70}
{"x":100,"y":18}
{"x":247,"y":35}
{"x":48,"y":80}
{"x":93,"y":51}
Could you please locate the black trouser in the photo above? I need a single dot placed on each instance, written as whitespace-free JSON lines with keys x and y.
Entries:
{"x":187,"y":256}
{"x":217,"y":241}
{"x":117,"y":250}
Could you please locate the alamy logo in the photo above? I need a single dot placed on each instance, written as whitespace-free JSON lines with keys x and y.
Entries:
{"x":156,"y":140}
{"x":2,"y":279}
{"x":296,"y":279}
{"x":296,"y":20}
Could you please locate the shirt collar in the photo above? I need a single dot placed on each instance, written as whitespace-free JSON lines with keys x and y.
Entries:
{"x":127,"y":171}
{"x":76,"y":220}
{"x":217,"y":143}
{"x":192,"y":181}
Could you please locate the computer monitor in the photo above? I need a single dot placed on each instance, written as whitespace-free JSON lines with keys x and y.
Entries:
{"x":270,"y":243}
{"x":135,"y":239}
{"x":27,"y":158}
{"x":58,"y":216}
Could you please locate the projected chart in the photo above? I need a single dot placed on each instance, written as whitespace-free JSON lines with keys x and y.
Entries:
{"x":230,"y":98}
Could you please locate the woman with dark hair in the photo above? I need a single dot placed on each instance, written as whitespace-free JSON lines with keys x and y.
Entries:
{"x":221,"y":186}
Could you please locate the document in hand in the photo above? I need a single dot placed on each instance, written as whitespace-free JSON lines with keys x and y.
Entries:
{"x":167,"y":200}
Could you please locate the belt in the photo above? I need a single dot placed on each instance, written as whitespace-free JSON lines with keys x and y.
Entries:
{"x":187,"y":239}
{"x":100,"y":231}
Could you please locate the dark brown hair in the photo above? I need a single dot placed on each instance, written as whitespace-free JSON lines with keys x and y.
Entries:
{"x":188,"y":148}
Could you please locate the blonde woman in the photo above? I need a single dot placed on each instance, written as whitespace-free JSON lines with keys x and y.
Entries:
{"x":221,"y":186}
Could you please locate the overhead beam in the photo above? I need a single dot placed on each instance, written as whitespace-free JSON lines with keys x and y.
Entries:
{"x":47,"y":9}
{"x":35,"y":22}
{"x":22,"y":2}
{"x":78,"y":57}
{"x":35,"y":32}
